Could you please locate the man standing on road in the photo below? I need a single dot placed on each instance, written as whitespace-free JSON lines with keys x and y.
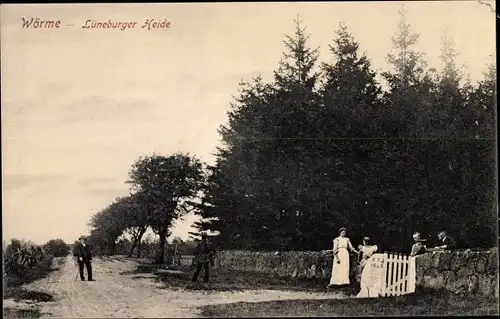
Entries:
{"x":203,"y":256}
{"x":84,"y":258}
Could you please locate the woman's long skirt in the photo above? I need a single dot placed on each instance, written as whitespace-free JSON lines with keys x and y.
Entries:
{"x":340,"y":271}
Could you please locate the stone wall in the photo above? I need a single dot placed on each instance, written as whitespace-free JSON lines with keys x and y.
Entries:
{"x":466,"y":271}
{"x":457,"y":271}
{"x":296,"y":264}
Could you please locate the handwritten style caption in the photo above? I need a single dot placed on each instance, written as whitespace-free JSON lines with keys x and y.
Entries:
{"x":377,"y":262}
{"x":149,"y":24}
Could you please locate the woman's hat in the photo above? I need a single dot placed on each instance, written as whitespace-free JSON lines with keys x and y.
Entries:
{"x":366,"y":238}
{"x":342,"y":229}
{"x":420,"y":240}
{"x":82,"y":237}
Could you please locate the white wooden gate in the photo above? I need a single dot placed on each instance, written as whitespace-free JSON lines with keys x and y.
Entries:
{"x":399,"y":275}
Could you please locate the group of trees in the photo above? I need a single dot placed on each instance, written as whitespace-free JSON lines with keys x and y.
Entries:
{"x":327,"y":145}
{"x":148,"y":247}
{"x":163,"y":188}
{"x":333,"y":144}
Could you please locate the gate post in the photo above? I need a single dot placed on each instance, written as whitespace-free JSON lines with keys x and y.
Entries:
{"x":384,"y":274}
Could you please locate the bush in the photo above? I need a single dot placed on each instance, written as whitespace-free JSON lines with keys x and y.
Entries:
{"x":57,"y":248}
{"x":20,"y":255}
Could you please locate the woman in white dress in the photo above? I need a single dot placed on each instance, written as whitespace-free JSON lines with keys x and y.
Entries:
{"x":341,"y":267}
{"x":366,"y":251}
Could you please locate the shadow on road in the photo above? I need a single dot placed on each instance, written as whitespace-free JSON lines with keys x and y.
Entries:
{"x":23,"y":294}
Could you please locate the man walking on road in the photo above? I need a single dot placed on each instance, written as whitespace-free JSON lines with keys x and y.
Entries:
{"x":84,"y":258}
{"x":204,"y":255}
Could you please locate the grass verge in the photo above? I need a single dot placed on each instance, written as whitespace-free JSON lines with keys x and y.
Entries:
{"x":233,"y":280}
{"x":13,"y":288}
{"x":431,"y":303}
{"x":230,"y":280}
{"x":41,"y":270}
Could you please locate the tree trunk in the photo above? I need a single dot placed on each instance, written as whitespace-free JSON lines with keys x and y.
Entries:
{"x":137,"y":234}
{"x":109,"y":248}
{"x":139,"y":249}
{"x":134,"y":243}
{"x":139,"y":242}
{"x":113,"y":248}
{"x":160,"y":257}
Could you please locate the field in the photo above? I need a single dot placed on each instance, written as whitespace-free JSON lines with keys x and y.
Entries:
{"x":127,"y":288}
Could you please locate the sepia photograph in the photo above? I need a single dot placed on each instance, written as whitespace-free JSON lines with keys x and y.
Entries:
{"x":249,"y":159}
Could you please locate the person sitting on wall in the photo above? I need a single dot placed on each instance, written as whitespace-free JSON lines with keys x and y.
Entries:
{"x":419,"y":247}
{"x":449,"y":242}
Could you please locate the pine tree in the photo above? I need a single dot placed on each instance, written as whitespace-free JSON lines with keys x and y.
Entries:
{"x":408,"y":64}
{"x":408,"y":99}
{"x":351,"y":98}
{"x":450,"y":97}
{"x":451,"y":74}
{"x":485,"y":103}
{"x":350,"y":90}
{"x":296,"y":106}
{"x":264,"y":156}
{"x":296,"y":67}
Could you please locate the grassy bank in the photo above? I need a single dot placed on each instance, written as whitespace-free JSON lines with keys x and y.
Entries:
{"x":236,"y":280}
{"x":233,"y":280}
{"x":429,"y":303}
{"x":27,"y":275}
{"x":13,"y":288}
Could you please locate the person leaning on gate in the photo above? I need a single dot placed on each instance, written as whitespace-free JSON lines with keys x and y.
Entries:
{"x":366,"y":251}
{"x":203,"y":258}
{"x":83,"y":255}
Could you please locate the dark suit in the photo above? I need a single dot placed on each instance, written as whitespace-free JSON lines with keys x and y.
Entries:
{"x":203,"y":255}
{"x":85,"y":253}
{"x":449,"y":242}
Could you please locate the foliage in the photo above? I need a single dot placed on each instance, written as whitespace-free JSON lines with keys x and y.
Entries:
{"x":307,"y":153}
{"x":165,"y":186}
{"x":57,"y":248}
{"x":20,"y":255}
{"x":323,"y":146}
{"x":108,"y":224}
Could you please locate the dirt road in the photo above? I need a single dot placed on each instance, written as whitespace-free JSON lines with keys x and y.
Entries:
{"x":114,"y":294}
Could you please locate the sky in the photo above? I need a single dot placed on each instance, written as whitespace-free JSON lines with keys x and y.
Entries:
{"x":79,"y":106}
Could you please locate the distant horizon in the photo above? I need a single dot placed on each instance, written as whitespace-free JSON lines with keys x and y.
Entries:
{"x":80,"y":106}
